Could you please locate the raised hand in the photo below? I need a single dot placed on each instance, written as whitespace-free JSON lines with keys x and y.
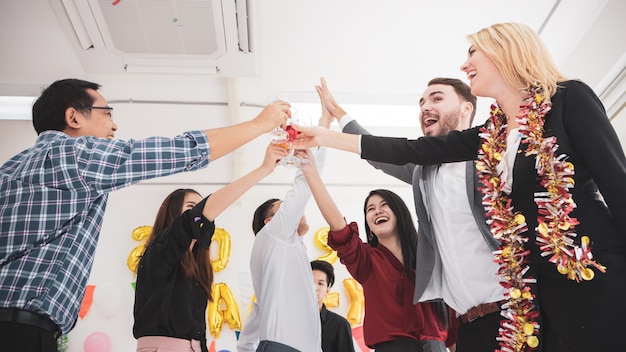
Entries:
{"x":329,"y":104}
{"x":273,"y":154}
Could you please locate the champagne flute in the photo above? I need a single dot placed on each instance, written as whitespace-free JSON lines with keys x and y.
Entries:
{"x":301,"y":118}
{"x":278,"y":134}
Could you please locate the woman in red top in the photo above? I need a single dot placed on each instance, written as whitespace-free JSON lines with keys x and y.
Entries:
{"x":384,"y":267}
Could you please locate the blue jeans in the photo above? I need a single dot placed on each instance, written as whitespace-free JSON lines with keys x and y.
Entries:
{"x":271,"y":346}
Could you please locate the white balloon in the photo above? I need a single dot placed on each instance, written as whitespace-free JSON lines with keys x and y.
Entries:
{"x":108,"y":299}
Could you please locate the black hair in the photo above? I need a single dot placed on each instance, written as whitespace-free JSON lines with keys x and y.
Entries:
{"x":196,"y":264}
{"x":261,"y":213}
{"x":326,"y":268}
{"x":406,"y":227}
{"x":462,"y":90}
{"x":49,"y":109}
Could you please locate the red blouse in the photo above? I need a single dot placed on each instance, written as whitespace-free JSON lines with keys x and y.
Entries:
{"x":389,"y":309}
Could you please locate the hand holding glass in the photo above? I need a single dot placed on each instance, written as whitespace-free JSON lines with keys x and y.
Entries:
{"x":278,"y":134}
{"x":301,"y":118}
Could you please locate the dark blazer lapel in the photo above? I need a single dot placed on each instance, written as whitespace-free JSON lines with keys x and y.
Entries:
{"x":426,"y":255}
{"x":521,"y":175}
{"x":420,"y":207}
{"x":475,"y":198}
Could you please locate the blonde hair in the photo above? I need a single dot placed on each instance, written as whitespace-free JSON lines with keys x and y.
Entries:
{"x":520,"y":55}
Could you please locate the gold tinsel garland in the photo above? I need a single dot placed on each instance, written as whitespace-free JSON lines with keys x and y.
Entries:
{"x":555,"y":230}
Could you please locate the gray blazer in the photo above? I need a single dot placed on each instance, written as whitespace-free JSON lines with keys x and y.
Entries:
{"x":428,"y":259}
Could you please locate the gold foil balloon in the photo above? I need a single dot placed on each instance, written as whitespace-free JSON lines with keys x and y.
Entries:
{"x":357,"y":301}
{"x":133,"y":258}
{"x":321,"y":242}
{"x":223,"y":252}
{"x":216,"y":316}
{"x":332,"y":300}
{"x":139,"y":234}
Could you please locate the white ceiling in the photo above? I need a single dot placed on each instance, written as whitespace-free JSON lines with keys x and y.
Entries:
{"x":371,"y":52}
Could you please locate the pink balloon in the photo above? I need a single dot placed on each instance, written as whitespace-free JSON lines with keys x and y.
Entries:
{"x":98,"y":342}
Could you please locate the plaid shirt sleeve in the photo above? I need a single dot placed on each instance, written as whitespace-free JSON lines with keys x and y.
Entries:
{"x":108,"y":165}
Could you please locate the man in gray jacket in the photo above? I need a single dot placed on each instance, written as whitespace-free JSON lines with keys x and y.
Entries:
{"x":454,"y":250}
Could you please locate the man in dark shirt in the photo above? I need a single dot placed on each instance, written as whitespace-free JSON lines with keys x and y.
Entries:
{"x":336,"y":330}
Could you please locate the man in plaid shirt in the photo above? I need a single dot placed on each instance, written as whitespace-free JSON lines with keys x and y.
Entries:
{"x":53,"y":196}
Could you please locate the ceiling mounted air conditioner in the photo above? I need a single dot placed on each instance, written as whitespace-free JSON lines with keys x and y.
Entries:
{"x":162,"y":36}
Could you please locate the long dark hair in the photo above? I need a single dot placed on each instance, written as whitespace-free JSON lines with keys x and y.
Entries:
{"x":194,"y":264}
{"x":404,"y":223}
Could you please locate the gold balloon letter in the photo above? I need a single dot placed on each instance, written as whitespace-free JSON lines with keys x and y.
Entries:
{"x":332,"y":300}
{"x":217,"y":316}
{"x":223,"y":253}
{"x":321,"y":241}
{"x":139,"y":233}
{"x":357,"y":301}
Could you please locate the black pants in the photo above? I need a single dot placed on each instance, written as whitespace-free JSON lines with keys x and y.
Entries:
{"x":271,"y":346}
{"x":410,"y":345}
{"x":479,"y":335}
{"x":26,"y":338}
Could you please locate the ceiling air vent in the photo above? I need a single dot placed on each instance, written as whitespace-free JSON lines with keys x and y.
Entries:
{"x":161,"y":36}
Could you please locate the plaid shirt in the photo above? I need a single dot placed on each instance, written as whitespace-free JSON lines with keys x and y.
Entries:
{"x":52,"y":201}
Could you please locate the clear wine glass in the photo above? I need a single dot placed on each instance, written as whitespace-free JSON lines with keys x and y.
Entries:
{"x":301,"y":118}
{"x":278,"y":135}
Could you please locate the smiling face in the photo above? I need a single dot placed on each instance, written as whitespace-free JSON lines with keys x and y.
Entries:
{"x":440,"y":110}
{"x":483,"y":74}
{"x":95,"y":122}
{"x":380,"y":218}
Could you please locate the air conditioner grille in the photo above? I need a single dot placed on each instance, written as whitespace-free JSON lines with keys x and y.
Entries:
{"x":162,"y":26}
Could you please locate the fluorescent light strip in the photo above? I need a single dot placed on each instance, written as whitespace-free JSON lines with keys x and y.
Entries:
{"x":16,"y":108}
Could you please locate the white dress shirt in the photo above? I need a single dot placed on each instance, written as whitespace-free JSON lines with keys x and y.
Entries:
{"x":469,"y":274}
{"x":286,"y":308}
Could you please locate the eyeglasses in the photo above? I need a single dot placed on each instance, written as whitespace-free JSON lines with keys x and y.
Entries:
{"x":108,"y":108}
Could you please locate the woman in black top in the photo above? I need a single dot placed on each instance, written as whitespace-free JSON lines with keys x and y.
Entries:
{"x":174,"y":276}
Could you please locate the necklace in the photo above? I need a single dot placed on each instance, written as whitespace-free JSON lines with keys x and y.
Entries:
{"x":555,"y":230}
